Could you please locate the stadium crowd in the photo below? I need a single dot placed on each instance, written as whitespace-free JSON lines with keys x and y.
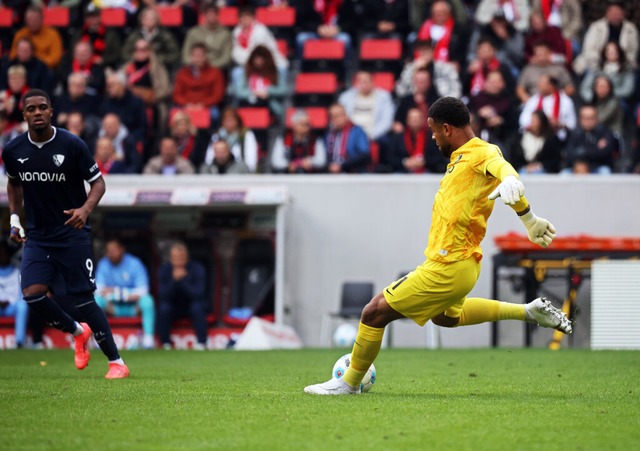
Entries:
{"x":183,"y":87}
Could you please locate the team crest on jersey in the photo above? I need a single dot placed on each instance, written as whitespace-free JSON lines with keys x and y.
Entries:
{"x":58,"y":159}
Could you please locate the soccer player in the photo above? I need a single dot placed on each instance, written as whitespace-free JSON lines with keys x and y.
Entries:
{"x":47,"y":168}
{"x":476,"y":175}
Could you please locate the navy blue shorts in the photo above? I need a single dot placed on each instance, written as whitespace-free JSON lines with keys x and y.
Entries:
{"x":52,"y":266}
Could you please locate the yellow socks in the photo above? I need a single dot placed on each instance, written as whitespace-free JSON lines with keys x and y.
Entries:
{"x":479,"y":310}
{"x":365,"y":351}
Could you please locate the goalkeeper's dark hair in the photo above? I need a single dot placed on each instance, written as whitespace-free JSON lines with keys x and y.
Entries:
{"x":35,"y":93}
{"x":449,"y":110}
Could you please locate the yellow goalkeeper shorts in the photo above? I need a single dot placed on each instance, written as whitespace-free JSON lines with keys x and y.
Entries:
{"x":433,"y":288}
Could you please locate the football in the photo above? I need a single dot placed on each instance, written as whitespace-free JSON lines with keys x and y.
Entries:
{"x":341,"y":366}
{"x":344,"y":335}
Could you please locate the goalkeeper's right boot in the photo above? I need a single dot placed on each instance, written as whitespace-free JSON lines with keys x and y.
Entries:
{"x":82,"y":355}
{"x":332,"y":387}
{"x":540,"y":311}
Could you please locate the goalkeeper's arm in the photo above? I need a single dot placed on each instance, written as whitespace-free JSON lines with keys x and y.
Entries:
{"x":511,"y":190}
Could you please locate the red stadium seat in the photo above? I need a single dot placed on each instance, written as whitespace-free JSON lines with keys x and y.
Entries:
{"x":315,"y":89}
{"x":316,"y":83}
{"x":170,"y":16}
{"x":113,"y":17}
{"x":6,"y":17}
{"x":228,"y":16}
{"x":381,"y":55}
{"x":381,"y":49}
{"x":56,"y":16}
{"x":323,"y":49}
{"x":200,"y":117}
{"x":324,"y":55}
{"x":276,"y":17}
{"x":318,"y":117}
{"x":384,"y":80}
{"x":255,"y":118}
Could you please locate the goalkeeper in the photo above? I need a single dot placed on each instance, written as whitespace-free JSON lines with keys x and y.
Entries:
{"x":477,"y":174}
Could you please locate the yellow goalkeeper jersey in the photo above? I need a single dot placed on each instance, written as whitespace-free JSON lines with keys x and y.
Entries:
{"x":461,"y":207}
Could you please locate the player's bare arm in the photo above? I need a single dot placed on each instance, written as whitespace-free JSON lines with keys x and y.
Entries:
{"x":80,"y":215}
{"x":16,"y":197}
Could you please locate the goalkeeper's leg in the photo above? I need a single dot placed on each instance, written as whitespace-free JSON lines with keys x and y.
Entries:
{"x":480,"y":310}
{"x":375,"y":316}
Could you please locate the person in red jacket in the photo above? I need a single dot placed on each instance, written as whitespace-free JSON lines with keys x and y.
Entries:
{"x":199,"y":85}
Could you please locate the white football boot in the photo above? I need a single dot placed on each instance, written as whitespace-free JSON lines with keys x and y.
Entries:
{"x":332,"y":387}
{"x":540,"y":311}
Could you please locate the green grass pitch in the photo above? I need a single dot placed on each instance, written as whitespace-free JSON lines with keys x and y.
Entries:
{"x":436,"y":400}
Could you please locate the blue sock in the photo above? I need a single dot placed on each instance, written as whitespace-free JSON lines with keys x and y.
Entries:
{"x":51,"y":312}
{"x":97,"y":321}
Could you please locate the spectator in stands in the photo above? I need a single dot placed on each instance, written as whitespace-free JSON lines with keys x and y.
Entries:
{"x":249,"y":34}
{"x":39,"y":76}
{"x":539,"y":150}
{"x":322,"y":18}
{"x":541,"y":31}
{"x":368,"y":107}
{"x":241,"y":140}
{"x":148,"y":80}
{"x":122,"y":288}
{"x":105,"y":42}
{"x":191,"y":142}
{"x":124,"y":143}
{"x":200,"y":85}
{"x":182,"y":293}
{"x":162,"y":42}
{"x":508,"y":42}
{"x":83,"y":62}
{"x":556,"y":104}
{"x":497,"y":111}
{"x":610,"y":111}
{"x":516,"y":12}
{"x":448,"y":37}
{"x":444,"y":76}
{"x":262,"y":84}
{"x":76,"y":98}
{"x":381,"y":19}
{"x":4,"y":136}
{"x":11,"y":302}
{"x":542,"y":64}
{"x":128,"y":107}
{"x":422,"y":97}
{"x":11,"y":98}
{"x":299,"y":151}
{"x":169,"y":162}
{"x":224,"y":162}
{"x":591,"y":146}
{"x":614,"y":66}
{"x":484,"y":61}
{"x":565,"y":14}
{"x":612,"y":27}
{"x":46,"y":40}
{"x":346,"y":143}
{"x":215,"y":37}
{"x":76,"y":124}
{"x":413,"y":149}
{"x":106,"y":158}
{"x":189,"y":11}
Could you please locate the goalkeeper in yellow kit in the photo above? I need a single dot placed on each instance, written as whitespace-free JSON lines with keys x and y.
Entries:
{"x":477,"y":174}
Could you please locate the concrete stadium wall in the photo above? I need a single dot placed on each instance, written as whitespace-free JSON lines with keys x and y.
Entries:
{"x":370,"y":228}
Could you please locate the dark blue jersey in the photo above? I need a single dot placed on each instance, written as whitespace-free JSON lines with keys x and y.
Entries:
{"x":52,"y":175}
